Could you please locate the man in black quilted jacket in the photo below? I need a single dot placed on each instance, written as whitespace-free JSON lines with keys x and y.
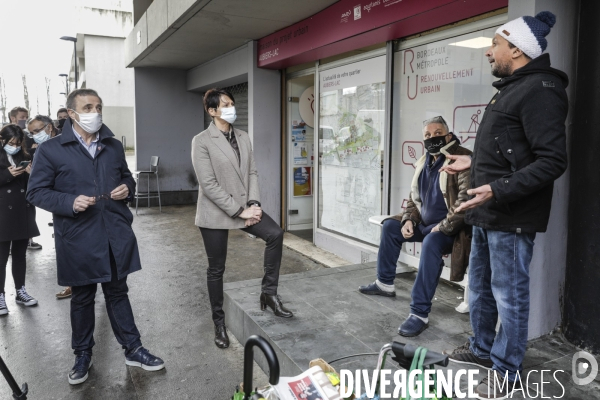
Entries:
{"x":519,"y":152}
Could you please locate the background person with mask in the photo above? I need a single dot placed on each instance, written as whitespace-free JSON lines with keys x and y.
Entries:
{"x":61,"y":116}
{"x":17,"y":217}
{"x":229,"y":198}
{"x":41,"y":128}
{"x":19,"y":116}
{"x":430,"y":217}
{"x":82,"y":178}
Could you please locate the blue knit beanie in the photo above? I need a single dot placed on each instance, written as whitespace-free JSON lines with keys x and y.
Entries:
{"x":529,"y":33}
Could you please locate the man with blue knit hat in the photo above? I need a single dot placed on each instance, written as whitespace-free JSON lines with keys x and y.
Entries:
{"x":519,"y":152}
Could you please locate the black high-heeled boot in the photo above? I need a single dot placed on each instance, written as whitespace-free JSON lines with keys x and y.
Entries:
{"x":274,"y":303}
{"x":221,"y":338}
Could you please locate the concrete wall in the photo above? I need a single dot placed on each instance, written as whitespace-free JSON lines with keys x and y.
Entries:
{"x":106,"y":73}
{"x":167,"y":117}
{"x":264,"y":128}
{"x":547,"y":270}
{"x":229,"y":69}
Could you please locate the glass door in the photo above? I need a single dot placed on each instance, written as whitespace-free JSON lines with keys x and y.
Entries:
{"x":300,"y":150}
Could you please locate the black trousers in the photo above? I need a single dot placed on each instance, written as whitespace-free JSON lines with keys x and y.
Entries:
{"x":215,"y":243}
{"x":19,"y":265}
{"x":118,"y":308}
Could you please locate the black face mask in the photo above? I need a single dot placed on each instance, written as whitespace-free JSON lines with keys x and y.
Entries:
{"x":434,"y":144}
{"x":61,"y":123}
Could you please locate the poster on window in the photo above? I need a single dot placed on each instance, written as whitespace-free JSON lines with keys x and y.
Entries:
{"x":302,"y":181}
{"x":351,"y":132}
{"x":449,"y":78}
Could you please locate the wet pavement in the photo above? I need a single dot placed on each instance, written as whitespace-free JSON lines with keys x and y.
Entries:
{"x":170,"y":303}
{"x":171,"y":306}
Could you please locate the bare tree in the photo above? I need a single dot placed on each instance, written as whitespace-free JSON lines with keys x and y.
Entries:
{"x":25,"y":92}
{"x":48,"y":96}
{"x":3,"y":99}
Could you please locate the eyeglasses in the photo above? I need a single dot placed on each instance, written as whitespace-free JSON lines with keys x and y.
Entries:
{"x":36,"y":131}
{"x":104,"y":196}
{"x":435,"y":120}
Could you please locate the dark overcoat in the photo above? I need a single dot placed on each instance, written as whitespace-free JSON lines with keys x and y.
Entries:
{"x":17,"y":216}
{"x":62,"y":170}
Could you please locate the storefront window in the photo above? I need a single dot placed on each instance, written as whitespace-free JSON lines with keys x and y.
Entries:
{"x":450,"y":78}
{"x":351,"y":129}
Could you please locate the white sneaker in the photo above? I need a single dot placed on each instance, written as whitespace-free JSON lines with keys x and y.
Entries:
{"x":24,"y":298}
{"x":3,"y":308}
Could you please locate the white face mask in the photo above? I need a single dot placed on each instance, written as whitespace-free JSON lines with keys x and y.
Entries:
{"x":228,"y":114}
{"x":89,"y":122}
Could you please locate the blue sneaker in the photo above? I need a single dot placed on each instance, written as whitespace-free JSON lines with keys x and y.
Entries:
{"x":79,"y":373}
{"x":373,"y":289}
{"x":412,"y":326}
{"x":142,"y":358}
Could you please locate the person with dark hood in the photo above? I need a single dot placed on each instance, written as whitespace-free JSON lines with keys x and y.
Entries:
{"x":430,"y":217}
{"x":519,"y":152}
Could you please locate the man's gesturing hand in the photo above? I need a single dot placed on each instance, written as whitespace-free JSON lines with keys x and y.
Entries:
{"x":482,"y":195}
{"x":461,"y":163}
{"x":82,"y":202}
{"x":407,"y":229}
{"x":120,"y":192}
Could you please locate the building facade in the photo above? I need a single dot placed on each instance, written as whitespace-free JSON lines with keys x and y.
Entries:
{"x":333,"y":95}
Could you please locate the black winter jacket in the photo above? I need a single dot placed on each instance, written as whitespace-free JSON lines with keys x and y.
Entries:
{"x":521,"y":149}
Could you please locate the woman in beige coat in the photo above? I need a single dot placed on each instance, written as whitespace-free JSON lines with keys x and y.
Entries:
{"x":229,"y":198}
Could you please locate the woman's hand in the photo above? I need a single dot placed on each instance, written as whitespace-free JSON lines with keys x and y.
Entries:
{"x":252,"y":221}
{"x":252,"y":212}
{"x":28,"y":169}
{"x":16,"y":171}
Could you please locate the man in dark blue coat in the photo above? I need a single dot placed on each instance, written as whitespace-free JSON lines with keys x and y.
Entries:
{"x":82,"y":178}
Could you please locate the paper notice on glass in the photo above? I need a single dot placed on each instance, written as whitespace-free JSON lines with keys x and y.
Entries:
{"x":302,"y":181}
{"x":312,"y":384}
{"x":300,"y":153}
{"x":298,"y":135}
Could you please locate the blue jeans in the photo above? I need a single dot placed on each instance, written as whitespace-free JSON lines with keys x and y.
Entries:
{"x":499,"y":287}
{"x":117,"y":306}
{"x":435,"y":245}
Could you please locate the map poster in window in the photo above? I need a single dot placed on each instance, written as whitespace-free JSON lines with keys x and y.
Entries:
{"x":302,"y":181}
{"x":352,"y":127}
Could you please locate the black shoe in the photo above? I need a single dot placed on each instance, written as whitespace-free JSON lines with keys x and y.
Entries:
{"x":142,"y":358}
{"x":33,"y":245}
{"x":412,"y":326}
{"x":24,"y":298}
{"x":221,"y":338}
{"x":464,"y":355}
{"x":79,"y":373}
{"x":373,"y":289}
{"x":275,"y":304}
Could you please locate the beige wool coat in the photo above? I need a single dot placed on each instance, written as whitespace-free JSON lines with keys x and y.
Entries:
{"x":225,"y":184}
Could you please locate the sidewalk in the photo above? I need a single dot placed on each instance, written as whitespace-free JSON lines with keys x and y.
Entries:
{"x":171,"y":306}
